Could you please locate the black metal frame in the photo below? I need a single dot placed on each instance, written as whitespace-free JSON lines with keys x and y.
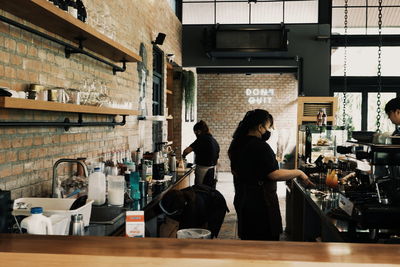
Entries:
{"x":67,"y":124}
{"x":69,"y":49}
{"x":298,"y":70}
{"x":364,"y":85}
{"x":158,"y":72}
{"x":365,"y":40}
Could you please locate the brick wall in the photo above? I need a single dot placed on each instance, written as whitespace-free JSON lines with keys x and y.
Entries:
{"x":222,"y":103}
{"x":28,"y":153}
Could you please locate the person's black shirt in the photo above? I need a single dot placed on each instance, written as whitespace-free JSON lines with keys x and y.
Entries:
{"x":206,"y":149}
{"x":252,"y":159}
{"x":256,"y":202}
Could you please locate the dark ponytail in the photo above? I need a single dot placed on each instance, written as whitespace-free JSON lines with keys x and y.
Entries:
{"x":252,"y":119}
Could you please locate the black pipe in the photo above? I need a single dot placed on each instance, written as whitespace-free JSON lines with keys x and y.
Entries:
{"x":59,"y":124}
{"x":300,"y":75}
{"x":66,"y":123}
{"x":69,"y":49}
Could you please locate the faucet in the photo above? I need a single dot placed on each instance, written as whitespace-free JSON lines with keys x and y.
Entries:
{"x":55,"y":184}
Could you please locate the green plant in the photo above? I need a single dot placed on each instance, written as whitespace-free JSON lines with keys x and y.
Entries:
{"x":189,"y":86}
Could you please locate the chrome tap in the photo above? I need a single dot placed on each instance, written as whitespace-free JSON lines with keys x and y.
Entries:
{"x":55,"y":181}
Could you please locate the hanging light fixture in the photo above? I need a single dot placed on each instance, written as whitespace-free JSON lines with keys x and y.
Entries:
{"x":378,"y":97}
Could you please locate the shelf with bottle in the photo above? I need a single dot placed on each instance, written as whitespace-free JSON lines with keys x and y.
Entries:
{"x":53,"y":19}
{"x":29,"y":104}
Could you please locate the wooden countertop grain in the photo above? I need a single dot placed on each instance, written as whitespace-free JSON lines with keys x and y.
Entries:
{"x":46,"y":250}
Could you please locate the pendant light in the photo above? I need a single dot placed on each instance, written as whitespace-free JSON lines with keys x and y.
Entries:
{"x":378,"y":97}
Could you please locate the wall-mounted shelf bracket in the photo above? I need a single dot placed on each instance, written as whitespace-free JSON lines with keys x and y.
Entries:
{"x":72,"y":50}
{"x":116,"y":69}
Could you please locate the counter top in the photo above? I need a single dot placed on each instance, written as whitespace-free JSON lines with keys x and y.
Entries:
{"x":335,"y":225}
{"x":30,"y":250}
{"x":323,"y":205}
{"x":149,"y":205}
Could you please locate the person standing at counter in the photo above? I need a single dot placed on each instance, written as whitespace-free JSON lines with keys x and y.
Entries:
{"x":206,"y":150}
{"x":392,"y":109}
{"x":255,"y":173}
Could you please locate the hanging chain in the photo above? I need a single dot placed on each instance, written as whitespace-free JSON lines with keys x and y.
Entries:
{"x":378,"y":97}
{"x":345,"y":61}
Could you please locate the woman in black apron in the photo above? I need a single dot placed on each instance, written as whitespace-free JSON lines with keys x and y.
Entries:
{"x":255,"y":172}
{"x":206,"y":150}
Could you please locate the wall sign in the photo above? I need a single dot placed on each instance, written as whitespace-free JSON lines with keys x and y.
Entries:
{"x":259,"y":96}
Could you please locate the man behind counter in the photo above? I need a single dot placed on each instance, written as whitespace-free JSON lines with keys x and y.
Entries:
{"x":392,"y":109}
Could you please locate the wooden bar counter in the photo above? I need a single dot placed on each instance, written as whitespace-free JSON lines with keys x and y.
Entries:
{"x":29,"y":250}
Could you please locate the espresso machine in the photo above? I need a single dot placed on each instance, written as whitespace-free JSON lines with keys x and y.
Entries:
{"x":374,"y":193}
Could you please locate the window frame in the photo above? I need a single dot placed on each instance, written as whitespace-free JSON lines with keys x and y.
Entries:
{"x":249,"y":13}
{"x":158,"y":75}
{"x":364,"y":85}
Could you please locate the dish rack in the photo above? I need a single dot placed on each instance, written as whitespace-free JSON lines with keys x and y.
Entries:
{"x":52,"y":206}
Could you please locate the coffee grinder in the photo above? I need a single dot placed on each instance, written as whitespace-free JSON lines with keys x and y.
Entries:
{"x":158,"y":163}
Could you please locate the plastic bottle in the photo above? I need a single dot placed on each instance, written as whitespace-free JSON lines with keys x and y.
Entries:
{"x":134,"y":183}
{"x":324,"y":117}
{"x":319,"y":117}
{"x":97,"y":187}
{"x":37,"y":223}
{"x":72,"y":8}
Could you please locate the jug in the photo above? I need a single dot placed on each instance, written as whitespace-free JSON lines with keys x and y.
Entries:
{"x":37,"y":223}
{"x":116,"y":190}
{"x":172,"y":162}
{"x":97,"y":187}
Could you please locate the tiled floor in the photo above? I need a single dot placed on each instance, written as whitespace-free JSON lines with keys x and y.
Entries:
{"x":225,"y":186}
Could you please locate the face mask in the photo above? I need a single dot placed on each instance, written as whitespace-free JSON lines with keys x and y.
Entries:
{"x":266,"y":136}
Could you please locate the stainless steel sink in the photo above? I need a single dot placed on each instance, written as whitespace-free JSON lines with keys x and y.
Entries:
{"x":106,"y":214}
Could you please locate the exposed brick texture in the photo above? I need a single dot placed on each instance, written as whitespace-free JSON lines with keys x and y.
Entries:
{"x":222,"y":102}
{"x":27,"y":154}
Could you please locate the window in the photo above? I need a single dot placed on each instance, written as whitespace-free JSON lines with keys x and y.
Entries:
{"x":361,"y":110}
{"x":157,"y":82}
{"x":363,"y":17}
{"x":363,"y":61}
{"x":353,"y":110}
{"x":386,"y":124}
{"x":243,"y":12}
{"x":158,"y":100}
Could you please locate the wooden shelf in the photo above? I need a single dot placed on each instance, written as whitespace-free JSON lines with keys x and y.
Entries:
{"x":49,"y":17}
{"x":314,"y":118}
{"x":19,"y":103}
